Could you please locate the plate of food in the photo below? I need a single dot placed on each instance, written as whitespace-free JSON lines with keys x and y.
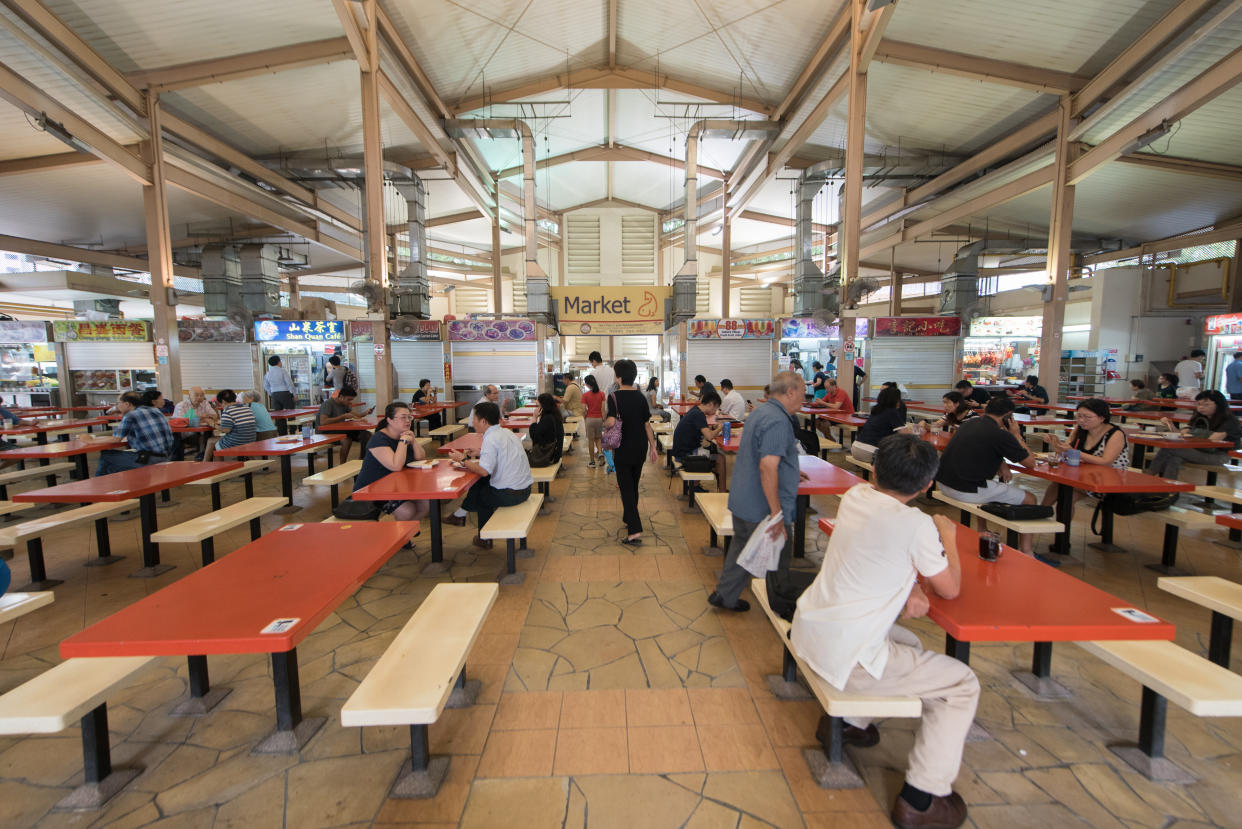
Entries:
{"x":422,"y":464}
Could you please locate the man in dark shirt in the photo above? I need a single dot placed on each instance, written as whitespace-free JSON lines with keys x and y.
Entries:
{"x":1031,"y":391}
{"x":972,"y":467}
{"x":339,"y":409}
{"x":692,"y":430}
{"x":975,"y":398}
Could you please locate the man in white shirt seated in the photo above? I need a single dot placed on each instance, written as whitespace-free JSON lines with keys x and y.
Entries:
{"x":844,"y":624}
{"x":732,"y":404}
{"x":491,"y":394}
{"x":503,"y":465}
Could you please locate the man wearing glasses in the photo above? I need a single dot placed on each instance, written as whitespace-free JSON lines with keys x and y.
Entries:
{"x":491,"y":394}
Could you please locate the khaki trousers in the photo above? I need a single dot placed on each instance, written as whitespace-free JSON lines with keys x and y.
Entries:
{"x":950,"y":693}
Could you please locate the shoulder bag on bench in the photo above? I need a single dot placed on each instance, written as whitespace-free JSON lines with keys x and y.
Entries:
{"x":1018,"y":512}
{"x":351,"y":510}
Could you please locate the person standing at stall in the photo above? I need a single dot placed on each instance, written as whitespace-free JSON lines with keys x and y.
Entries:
{"x":278,"y":385}
{"x":637,"y":442}
{"x":334,"y":373}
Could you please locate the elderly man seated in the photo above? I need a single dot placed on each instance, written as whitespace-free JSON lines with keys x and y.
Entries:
{"x":207,"y":415}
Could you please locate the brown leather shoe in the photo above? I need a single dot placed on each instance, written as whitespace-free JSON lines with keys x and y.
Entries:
{"x":851,"y":735}
{"x":482,"y":543}
{"x":944,"y":813}
{"x":455,"y":520}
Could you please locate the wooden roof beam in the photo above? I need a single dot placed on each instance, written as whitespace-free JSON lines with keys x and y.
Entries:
{"x":454,"y":218}
{"x":618,"y":152}
{"x":56,"y":161}
{"x":236,"y":67}
{"x":988,"y":70}
{"x":838,"y":33}
{"x":50,"y":250}
{"x":1172,"y":164}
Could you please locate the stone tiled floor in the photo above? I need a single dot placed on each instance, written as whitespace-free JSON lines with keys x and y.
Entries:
{"x":612,"y":696}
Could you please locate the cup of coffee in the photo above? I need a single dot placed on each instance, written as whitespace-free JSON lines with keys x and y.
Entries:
{"x":989,"y":546}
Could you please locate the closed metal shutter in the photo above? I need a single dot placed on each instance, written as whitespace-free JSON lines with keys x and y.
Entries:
{"x":915,"y":362}
{"x":477,"y":363}
{"x":99,"y":356}
{"x":748,"y":363}
{"x":216,"y":366}
{"x":415,"y":361}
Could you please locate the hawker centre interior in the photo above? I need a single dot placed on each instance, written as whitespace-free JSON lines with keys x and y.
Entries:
{"x":239,"y":586}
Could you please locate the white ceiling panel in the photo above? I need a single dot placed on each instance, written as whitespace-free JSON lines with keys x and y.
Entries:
{"x":650,"y":28}
{"x":1208,"y":134}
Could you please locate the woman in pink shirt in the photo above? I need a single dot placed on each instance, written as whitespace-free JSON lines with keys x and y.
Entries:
{"x":593,"y":399}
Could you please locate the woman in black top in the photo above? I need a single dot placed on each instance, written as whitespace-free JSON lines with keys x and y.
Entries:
{"x":391,"y":447}
{"x":887,"y":416}
{"x":1166,"y":386}
{"x":426,"y":394}
{"x":956,"y":411}
{"x":547,"y":433}
{"x":1212,"y":421}
{"x":637,"y":443}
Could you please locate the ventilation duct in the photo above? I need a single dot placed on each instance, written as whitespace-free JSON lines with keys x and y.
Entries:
{"x":97,"y":310}
{"x":809,"y":281}
{"x":260,"y":280}
{"x":686,"y":277}
{"x":221,"y":274}
{"x":410,"y":293}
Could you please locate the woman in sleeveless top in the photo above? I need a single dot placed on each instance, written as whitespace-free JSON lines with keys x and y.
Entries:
{"x":1100,"y":442}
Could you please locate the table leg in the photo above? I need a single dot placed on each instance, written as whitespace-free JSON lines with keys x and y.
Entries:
{"x":1039,"y":679}
{"x":292,"y":732}
{"x":104,"y":545}
{"x":1235,"y":536}
{"x":957,"y":649}
{"x":1140,"y":452}
{"x":799,"y":546}
{"x":151,"y":566}
{"x":215,"y":496}
{"x":203,"y":697}
{"x":286,"y":485}
{"x":1065,"y":513}
{"x":83,"y":470}
{"x":248,"y":482}
{"x":310,"y":460}
{"x":282,"y":426}
{"x":1105,"y":544}
{"x":437,"y":565}
{"x":1222,"y":636}
{"x":41,"y":438}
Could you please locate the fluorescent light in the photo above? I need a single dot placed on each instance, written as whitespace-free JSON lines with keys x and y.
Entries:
{"x":1151,"y":136}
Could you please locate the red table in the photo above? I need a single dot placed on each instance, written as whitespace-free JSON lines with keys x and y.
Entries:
{"x":1173,"y":417}
{"x":443,"y":482}
{"x":281,"y":416}
{"x":40,"y":432}
{"x":1096,"y":478}
{"x":1142,"y":440}
{"x":284,"y":448}
{"x":823,"y":478}
{"x":471,"y":442}
{"x":1019,"y":599}
{"x":351,"y":426}
{"x":77,"y":448}
{"x":141,"y":483}
{"x":517,"y":424}
{"x":1042,"y":420}
{"x":300,"y":572}
{"x":682,"y":406}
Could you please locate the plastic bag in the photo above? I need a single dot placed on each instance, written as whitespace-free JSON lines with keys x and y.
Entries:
{"x":762,"y":552}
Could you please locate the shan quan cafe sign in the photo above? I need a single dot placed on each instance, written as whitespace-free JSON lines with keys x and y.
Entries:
{"x":591,"y":309}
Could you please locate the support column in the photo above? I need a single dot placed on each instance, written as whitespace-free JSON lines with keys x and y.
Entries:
{"x":375,"y":222}
{"x":1059,"y":236}
{"x":849,"y":229}
{"x":159,"y":255}
{"x":726,"y":267}
{"x":496,"y":303}
{"x":894,"y":285}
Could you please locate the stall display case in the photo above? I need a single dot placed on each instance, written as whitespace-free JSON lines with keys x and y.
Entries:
{"x":28,"y":375}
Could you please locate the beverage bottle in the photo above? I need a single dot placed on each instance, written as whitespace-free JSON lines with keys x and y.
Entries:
{"x":728,"y":430}
{"x":193,"y":417}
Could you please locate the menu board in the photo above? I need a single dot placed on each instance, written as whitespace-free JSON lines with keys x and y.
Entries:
{"x":1006,"y":326}
{"x":496,"y":330}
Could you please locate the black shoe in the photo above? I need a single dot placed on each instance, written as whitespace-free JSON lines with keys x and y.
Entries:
{"x":715,"y":601}
{"x":947,"y":812}
{"x":850,"y":735}
{"x":455,"y":520}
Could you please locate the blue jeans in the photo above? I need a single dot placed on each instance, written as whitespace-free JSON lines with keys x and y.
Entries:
{"x":118,"y":460}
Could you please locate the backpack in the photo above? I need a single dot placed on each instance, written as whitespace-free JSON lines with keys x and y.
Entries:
{"x":784,"y":588}
{"x":351,"y":378}
{"x":1132,"y":503}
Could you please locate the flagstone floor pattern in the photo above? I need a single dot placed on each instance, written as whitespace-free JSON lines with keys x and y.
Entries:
{"x":612,"y":695}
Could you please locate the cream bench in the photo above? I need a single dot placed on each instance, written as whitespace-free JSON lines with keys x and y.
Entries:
{"x":1222,"y":597}
{"x":334,"y":477}
{"x":866,"y":467}
{"x":1230,"y":496}
{"x":204,"y":528}
{"x":15,"y":605}
{"x":831,"y":768}
{"x":665,"y":442}
{"x":420,"y":674}
{"x":567,"y":445}
{"x":715,"y":508}
{"x":1168,"y":672}
{"x":513,"y":525}
{"x":32,"y":532}
{"x":246,"y":473}
{"x":542,"y":476}
{"x":1212,"y":470}
{"x":827,"y":445}
{"x":1013,"y":528}
{"x":17,"y":475}
{"x":76,"y":690}
{"x":8,"y":508}
{"x":447,"y":433}
{"x":1176,"y":519}
{"x":688,"y":481}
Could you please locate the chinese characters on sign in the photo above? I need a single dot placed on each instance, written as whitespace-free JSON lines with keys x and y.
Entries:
{"x":135,"y":331}
{"x":308,"y":331}
{"x":918,"y":326}
{"x":731,"y":329}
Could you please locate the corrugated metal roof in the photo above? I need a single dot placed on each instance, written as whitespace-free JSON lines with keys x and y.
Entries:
{"x":1211,"y":133}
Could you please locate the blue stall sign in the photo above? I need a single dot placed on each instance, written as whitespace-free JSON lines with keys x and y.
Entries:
{"x":307,"y":331}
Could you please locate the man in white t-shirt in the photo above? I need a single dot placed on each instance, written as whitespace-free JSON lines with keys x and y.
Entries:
{"x":491,"y":394}
{"x":1190,"y":374}
{"x":732,"y":404}
{"x":844,"y":624}
{"x":605,"y":377}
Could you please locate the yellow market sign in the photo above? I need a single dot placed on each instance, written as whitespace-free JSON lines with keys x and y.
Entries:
{"x":592,"y":309}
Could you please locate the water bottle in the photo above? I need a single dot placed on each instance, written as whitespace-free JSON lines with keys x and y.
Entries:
{"x":307,"y":431}
{"x":728,"y":430}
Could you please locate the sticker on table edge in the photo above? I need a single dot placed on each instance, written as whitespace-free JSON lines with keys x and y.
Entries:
{"x":281,"y":625}
{"x":1135,"y":615}
{"x":287,"y":527}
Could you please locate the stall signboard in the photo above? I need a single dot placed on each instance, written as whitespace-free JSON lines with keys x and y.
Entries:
{"x":16,"y":331}
{"x":809,"y":328}
{"x":731,"y":329}
{"x":1224,"y":324}
{"x":1006,"y":327}
{"x":210,"y":331}
{"x":117,"y":331}
{"x":592,"y":309}
{"x":493,"y":330}
{"x":300,"y":331}
{"x":424,"y":331}
{"x":918,"y":326}
{"x":362,"y":331}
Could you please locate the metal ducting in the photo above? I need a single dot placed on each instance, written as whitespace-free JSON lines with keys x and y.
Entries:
{"x":260,"y":279}
{"x":97,"y":309}
{"x":410,"y":293}
{"x":221,"y":274}
{"x":809,"y":281}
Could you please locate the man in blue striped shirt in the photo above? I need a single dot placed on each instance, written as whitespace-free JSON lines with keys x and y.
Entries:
{"x":145,"y":429}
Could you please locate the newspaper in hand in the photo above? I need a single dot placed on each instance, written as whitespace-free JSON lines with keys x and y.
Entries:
{"x":762,"y":552}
